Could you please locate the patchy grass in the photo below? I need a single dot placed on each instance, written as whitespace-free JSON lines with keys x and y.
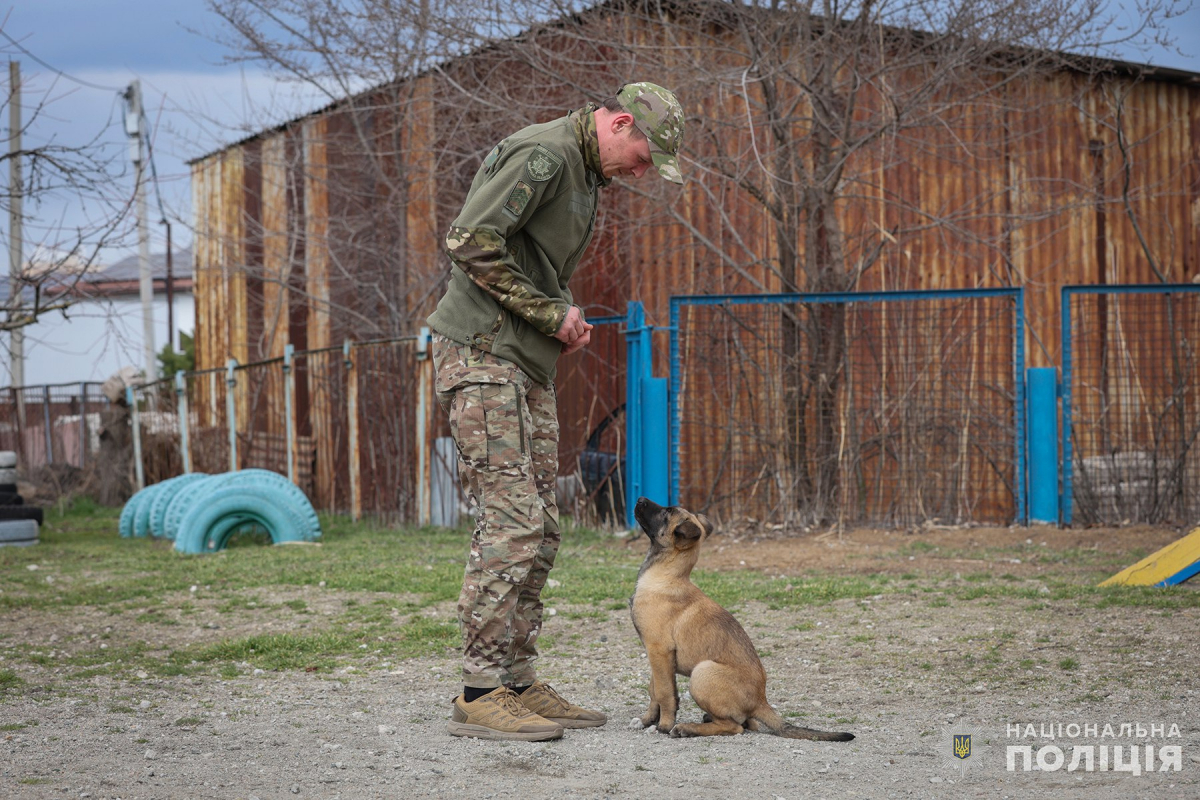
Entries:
{"x":371,"y":595}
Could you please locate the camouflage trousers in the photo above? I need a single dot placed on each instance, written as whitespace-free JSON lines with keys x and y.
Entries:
{"x":505,"y":426}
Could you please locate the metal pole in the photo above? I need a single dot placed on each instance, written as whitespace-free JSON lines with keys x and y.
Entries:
{"x":230,"y":412}
{"x":135,"y":427}
{"x":83,"y":440}
{"x":137,"y":147}
{"x":170,"y":291}
{"x":181,"y":395}
{"x":423,"y":444}
{"x":16,"y":242}
{"x":46,"y":419}
{"x":289,"y":393}
{"x":352,"y":420}
{"x":635,"y":321}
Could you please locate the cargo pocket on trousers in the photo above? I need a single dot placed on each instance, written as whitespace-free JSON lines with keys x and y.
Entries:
{"x":487,"y":422}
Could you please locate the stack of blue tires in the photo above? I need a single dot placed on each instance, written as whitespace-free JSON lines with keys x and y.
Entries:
{"x":201,"y":512}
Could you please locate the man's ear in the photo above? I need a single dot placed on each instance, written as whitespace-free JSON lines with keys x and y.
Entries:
{"x":621,"y":122}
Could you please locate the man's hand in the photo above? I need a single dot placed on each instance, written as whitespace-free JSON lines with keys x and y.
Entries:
{"x":575,"y":332}
{"x":579,"y":343}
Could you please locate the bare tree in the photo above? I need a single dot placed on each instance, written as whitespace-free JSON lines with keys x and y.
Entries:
{"x":73,"y":203}
{"x":872,"y":140}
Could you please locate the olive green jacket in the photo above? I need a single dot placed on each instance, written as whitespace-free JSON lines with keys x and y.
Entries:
{"x":526,"y":222}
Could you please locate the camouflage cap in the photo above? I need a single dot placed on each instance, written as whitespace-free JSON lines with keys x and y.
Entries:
{"x":657,"y":114}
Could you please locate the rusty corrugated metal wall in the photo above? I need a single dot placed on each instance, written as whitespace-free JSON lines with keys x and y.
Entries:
{"x":1071,"y":178}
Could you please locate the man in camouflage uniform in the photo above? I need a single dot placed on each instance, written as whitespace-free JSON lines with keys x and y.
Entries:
{"x":506,"y":317}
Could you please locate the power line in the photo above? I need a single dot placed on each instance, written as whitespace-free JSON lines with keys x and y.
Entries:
{"x":57,"y":71}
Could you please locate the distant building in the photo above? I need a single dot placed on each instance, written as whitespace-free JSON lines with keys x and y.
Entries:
{"x":101,"y":331}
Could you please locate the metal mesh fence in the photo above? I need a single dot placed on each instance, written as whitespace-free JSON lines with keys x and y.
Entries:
{"x":207,"y":414}
{"x":342,"y":422}
{"x":590,"y":387}
{"x":893,"y":409}
{"x":260,"y":410}
{"x":57,"y":424}
{"x":388,"y":403}
{"x":158,"y":431}
{"x":1131,"y":408}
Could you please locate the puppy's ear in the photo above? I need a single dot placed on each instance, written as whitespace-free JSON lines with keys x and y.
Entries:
{"x":688,"y":529}
{"x":706,"y":523}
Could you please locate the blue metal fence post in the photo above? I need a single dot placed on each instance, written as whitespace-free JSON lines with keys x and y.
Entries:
{"x":1042,"y":399}
{"x":673,"y":426}
{"x":1068,"y":468}
{"x":1022,"y":515}
{"x":635,"y":320}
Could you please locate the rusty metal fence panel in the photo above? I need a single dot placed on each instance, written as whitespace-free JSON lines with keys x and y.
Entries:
{"x":54,"y":424}
{"x":345,"y":424}
{"x":1131,"y":404}
{"x":892,"y":408}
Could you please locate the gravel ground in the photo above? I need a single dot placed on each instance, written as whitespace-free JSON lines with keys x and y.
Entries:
{"x":367,"y":733}
{"x":903,"y":671}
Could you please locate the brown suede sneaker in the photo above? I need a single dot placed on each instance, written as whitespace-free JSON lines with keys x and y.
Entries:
{"x":541,"y":699}
{"x":499,"y":714}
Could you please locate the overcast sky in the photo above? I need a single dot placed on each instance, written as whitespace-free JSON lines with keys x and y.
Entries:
{"x":194,"y":102}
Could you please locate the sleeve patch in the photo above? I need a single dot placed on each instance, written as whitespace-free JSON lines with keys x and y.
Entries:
{"x":518,"y":199}
{"x":542,"y":164}
{"x":492,"y":158}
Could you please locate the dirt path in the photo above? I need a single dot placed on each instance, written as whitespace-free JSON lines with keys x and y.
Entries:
{"x":903,"y":670}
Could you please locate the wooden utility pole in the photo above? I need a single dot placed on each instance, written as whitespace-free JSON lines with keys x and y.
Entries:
{"x":16,"y":244}
{"x":137,"y":152}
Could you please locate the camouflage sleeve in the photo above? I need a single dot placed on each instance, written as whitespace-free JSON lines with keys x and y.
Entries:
{"x":512,"y":184}
{"x":482,"y":255}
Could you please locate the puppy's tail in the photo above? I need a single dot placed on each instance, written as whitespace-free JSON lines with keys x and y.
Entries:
{"x":767,"y":720}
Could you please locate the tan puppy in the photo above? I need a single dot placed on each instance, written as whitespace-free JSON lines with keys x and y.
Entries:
{"x":686,"y":633}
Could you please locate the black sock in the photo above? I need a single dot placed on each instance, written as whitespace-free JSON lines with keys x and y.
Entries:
{"x":471,"y":694}
{"x":522,"y":689}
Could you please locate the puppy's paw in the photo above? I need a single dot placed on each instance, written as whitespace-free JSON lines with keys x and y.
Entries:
{"x":681,"y":732}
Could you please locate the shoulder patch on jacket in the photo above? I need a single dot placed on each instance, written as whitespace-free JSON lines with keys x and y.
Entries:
{"x":542,"y":164}
{"x":518,"y":199}
{"x":492,"y":157}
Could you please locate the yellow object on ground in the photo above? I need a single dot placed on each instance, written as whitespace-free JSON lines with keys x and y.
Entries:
{"x":1170,"y":566}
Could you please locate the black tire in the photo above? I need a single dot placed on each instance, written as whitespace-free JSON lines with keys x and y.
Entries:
{"x":11,"y":499}
{"x":18,"y":532}
{"x":8,"y":487}
{"x":8,"y":513}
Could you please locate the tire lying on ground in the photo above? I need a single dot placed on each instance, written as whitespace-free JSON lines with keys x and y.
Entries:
{"x":183,"y":499}
{"x":141,"y":519}
{"x":32,"y":513}
{"x":18,"y":533}
{"x":208,"y":525}
{"x":161,"y":501}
